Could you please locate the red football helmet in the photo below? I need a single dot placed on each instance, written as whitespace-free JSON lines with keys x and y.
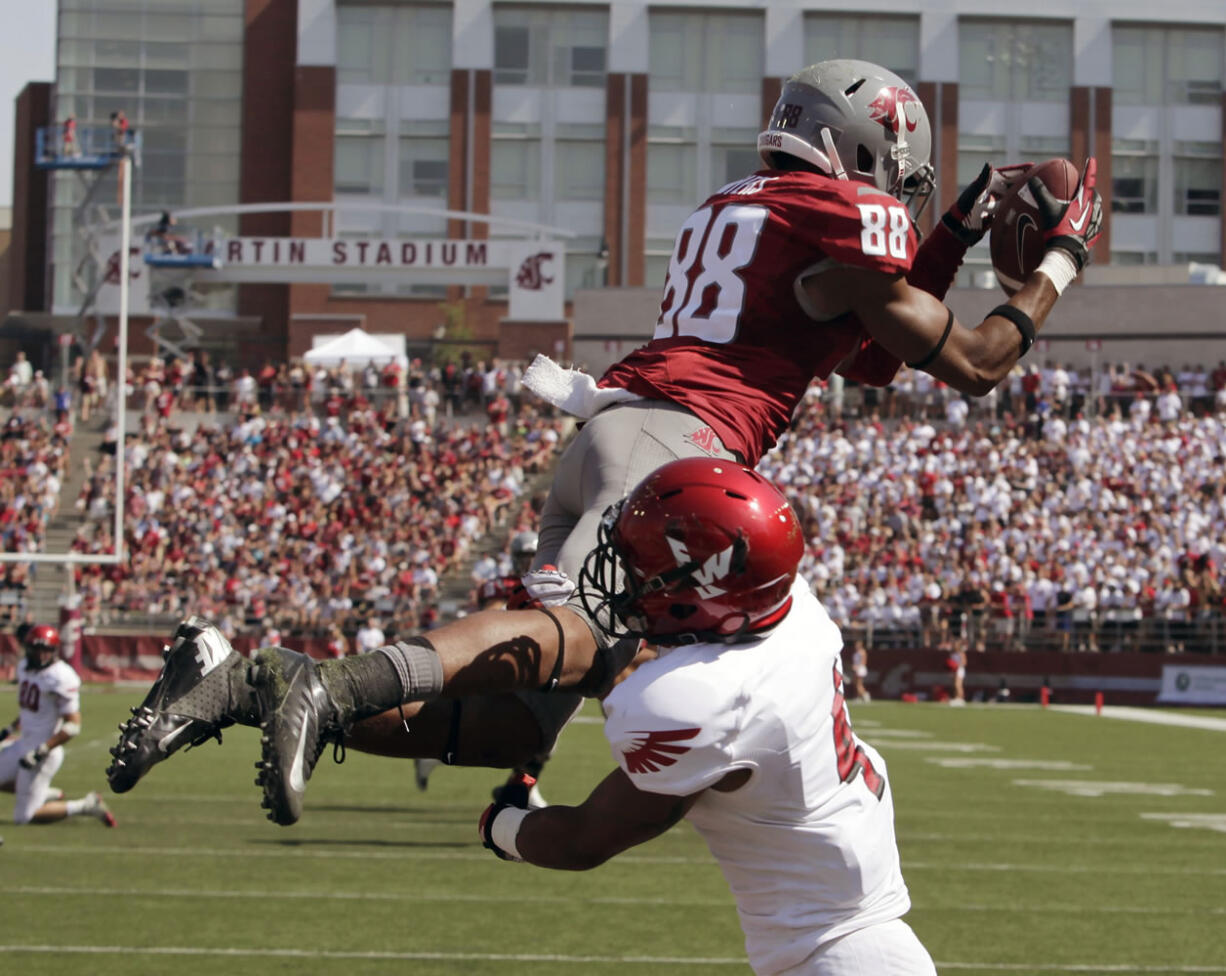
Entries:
{"x":701,"y":550}
{"x":42,"y":646}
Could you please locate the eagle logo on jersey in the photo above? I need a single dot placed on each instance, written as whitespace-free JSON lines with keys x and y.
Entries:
{"x":890,"y":109}
{"x":655,"y":749}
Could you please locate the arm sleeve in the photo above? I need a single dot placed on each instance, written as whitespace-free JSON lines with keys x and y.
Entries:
{"x":936,"y":262}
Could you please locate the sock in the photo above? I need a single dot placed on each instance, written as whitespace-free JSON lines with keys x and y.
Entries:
{"x":368,"y":684}
{"x":243,"y":707}
{"x":534,"y":766}
{"x":78,"y":807}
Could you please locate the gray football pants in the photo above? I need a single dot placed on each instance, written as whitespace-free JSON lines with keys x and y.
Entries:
{"x":610,"y":455}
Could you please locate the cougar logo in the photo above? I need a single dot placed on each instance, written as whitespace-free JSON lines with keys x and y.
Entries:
{"x":716,"y":567}
{"x":705,"y":439}
{"x":890,"y":109}
{"x":530,"y":274}
{"x":111,"y":277}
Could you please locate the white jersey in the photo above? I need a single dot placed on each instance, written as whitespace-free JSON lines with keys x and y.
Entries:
{"x":807,"y":844}
{"x":45,"y":696}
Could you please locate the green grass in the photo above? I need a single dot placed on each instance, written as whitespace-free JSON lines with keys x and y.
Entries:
{"x":380,"y":879}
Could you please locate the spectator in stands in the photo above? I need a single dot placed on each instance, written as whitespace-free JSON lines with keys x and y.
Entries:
{"x":369,"y":636}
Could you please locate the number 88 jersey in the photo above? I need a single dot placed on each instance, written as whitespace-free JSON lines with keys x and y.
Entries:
{"x":736,"y":341}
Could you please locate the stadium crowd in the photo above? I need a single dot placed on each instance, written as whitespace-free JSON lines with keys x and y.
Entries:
{"x":1068,"y":509}
{"x":1085,"y":534}
{"x":300,"y":523}
{"x":34,"y":455}
{"x":427,"y":392}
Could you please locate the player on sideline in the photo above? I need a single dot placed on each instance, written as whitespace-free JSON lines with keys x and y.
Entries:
{"x":740,"y":726}
{"x":49,"y":696}
{"x":807,"y":266}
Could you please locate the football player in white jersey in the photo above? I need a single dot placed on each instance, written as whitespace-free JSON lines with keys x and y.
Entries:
{"x":49,"y":696}
{"x":740,"y":726}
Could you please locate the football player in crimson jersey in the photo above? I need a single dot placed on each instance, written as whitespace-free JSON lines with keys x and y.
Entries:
{"x":740,"y":726}
{"x":48,"y":693}
{"x":808,"y":266}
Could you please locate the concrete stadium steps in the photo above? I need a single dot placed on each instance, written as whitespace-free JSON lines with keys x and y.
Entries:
{"x":43,"y":597}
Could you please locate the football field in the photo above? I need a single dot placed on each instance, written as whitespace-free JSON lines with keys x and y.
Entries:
{"x":1032,"y":841}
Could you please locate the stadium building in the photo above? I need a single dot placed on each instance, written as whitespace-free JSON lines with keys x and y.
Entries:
{"x":574,"y":135}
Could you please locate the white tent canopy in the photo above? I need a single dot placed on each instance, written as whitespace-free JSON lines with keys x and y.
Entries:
{"x":356,"y":347}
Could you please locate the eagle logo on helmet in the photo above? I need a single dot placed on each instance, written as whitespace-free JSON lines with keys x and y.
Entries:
{"x":890,"y":109}
{"x":715,"y":567}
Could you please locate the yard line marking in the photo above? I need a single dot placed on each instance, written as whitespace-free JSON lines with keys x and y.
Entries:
{"x":375,"y":954}
{"x":1153,"y":716}
{"x":1086,"y":967}
{"x":371,"y":954}
{"x":300,"y":850}
{"x":1096,"y":788}
{"x":887,"y":744}
{"x":970,"y":762}
{"x":435,"y":896}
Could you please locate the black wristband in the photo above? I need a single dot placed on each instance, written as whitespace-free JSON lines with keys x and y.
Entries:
{"x":936,"y":350}
{"x":1024,"y":323}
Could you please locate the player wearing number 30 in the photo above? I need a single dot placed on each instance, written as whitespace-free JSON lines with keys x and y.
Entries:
{"x":748,"y":738}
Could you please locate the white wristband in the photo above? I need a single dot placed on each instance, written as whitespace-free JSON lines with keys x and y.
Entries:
{"x":1059,"y":267}
{"x":504,"y":829}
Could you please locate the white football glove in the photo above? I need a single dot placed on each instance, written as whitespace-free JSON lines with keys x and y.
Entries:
{"x":548,"y":585}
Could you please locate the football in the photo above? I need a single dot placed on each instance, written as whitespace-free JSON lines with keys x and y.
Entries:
{"x":1016,"y":241}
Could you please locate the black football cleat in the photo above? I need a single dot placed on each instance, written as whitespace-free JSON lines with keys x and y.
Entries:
{"x":298,"y":718}
{"x":189,"y":703}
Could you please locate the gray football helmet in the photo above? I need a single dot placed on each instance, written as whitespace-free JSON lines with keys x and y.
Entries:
{"x":855,"y":120}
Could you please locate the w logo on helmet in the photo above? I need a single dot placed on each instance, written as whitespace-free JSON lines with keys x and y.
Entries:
{"x":890,"y":108}
{"x":530,"y":274}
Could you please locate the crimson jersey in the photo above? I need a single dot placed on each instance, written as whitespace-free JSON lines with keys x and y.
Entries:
{"x":734,"y":342}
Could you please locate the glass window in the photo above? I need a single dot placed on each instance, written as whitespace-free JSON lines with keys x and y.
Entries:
{"x":579,"y":158}
{"x":734,"y":154}
{"x":974,"y":151}
{"x":584,"y":266}
{"x":116,"y":79}
{"x":363,"y":45}
{"x":1156,"y":65}
{"x":359,"y":165}
{"x":1134,"y":258}
{"x":423,"y":45}
{"x":672,"y":170}
{"x":423,"y":167}
{"x":515,"y":163}
{"x":554,"y":48}
{"x":1006,"y":60}
{"x":1194,"y":257}
{"x":162,"y":82}
{"x":706,"y":52}
{"x":1198,"y":178}
{"x":891,"y":41}
{"x":1134,"y":176}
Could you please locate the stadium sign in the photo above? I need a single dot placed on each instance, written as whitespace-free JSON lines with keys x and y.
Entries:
{"x":1191,"y":685}
{"x":531,"y":269}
